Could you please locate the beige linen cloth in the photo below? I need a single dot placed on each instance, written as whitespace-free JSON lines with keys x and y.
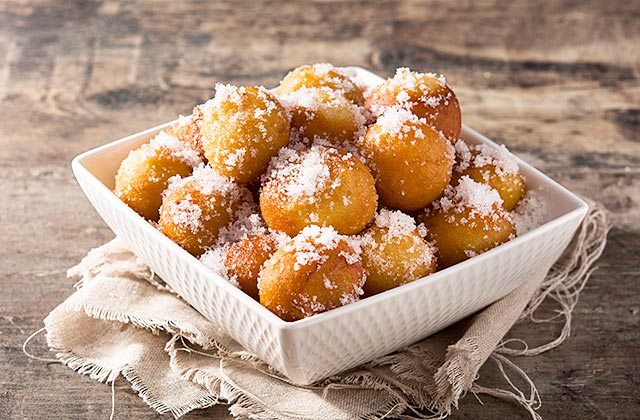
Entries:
{"x":124,"y":321}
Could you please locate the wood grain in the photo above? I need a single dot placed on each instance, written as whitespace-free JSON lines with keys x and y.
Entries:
{"x":556,"y":81}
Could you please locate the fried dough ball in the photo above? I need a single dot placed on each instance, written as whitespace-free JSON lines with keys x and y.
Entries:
{"x":242,"y":129}
{"x":323,"y":113}
{"x":317,"y":185}
{"x":426,"y":94}
{"x":495,"y":167}
{"x":245,"y":258}
{"x":144,"y":174}
{"x":411,"y":162}
{"x":394,"y":252}
{"x":316,"y":271}
{"x":321,"y":75}
{"x":195,"y":208}
{"x":467,"y":221}
{"x":187,"y":129}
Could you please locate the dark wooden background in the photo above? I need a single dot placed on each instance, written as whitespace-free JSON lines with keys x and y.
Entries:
{"x":556,"y":81}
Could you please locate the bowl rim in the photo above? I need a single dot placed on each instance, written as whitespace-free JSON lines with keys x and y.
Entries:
{"x":82,"y":172}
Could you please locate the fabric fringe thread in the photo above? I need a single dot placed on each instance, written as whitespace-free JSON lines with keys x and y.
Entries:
{"x":563,"y":285}
{"x":566,"y":280}
{"x":154,"y":402}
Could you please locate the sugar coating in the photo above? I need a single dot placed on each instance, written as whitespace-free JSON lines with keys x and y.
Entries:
{"x":309,"y":98}
{"x":347,"y":298}
{"x":359,"y":80}
{"x":233,"y":159}
{"x":187,"y":213}
{"x":179,"y":149}
{"x":394,"y":129}
{"x":328,"y":284}
{"x":327,"y":71}
{"x":214,"y":260}
{"x":529,"y":212}
{"x":398,"y":121}
{"x":470,"y":253}
{"x":400,"y":124}
{"x":311,"y":248}
{"x":226,"y":93}
{"x":312,"y":100}
{"x":304,"y":174}
{"x":397,"y":226}
{"x":247,"y":223}
{"x":406,"y":78}
{"x":479,"y":200}
{"x":335,"y":77}
{"x":464,"y":156}
{"x":469,"y":194}
{"x":240,"y":115}
{"x":244,"y":227}
{"x":395,"y":222}
{"x":188,"y":129}
{"x":207,"y":181}
{"x":405,"y":81}
{"x":184,"y":120}
{"x":312,"y":243}
{"x":477,"y":156}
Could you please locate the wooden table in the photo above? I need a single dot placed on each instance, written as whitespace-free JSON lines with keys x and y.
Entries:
{"x":558,"y":82}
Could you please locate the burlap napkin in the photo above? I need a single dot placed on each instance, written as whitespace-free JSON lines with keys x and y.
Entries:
{"x":124,"y":321}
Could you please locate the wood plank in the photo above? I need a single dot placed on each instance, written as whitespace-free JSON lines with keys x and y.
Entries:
{"x":557,"y":81}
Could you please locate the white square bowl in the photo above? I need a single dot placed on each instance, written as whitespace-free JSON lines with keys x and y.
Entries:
{"x":325,"y":344}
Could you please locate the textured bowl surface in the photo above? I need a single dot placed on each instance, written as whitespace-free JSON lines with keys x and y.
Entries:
{"x":322,"y":345}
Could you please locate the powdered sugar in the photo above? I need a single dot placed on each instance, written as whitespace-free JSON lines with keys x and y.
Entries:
{"x":477,"y":156}
{"x":189,"y":212}
{"x":470,"y":253}
{"x":214,"y":259}
{"x":529,"y":212}
{"x":247,"y":223}
{"x":326,"y":75}
{"x":350,"y":257}
{"x":235,"y":158}
{"x":307,"y":98}
{"x":304,"y":170}
{"x":408,"y":87}
{"x":224,"y":93}
{"x":347,"y":298}
{"x":206,"y":180}
{"x":241,"y":109}
{"x":476,"y":198}
{"x":312,"y":243}
{"x":406,"y":78}
{"x":402,"y":96}
{"x":184,"y":120}
{"x":395,"y":222}
{"x":481,"y":197}
{"x":179,"y":149}
{"x":501,"y":158}
{"x":463,"y":156}
{"x":323,"y":68}
{"x":392,"y":228}
{"x":398,"y":121}
{"x":338,"y":79}
{"x":319,"y":102}
{"x":303,"y":174}
{"x":187,"y":215}
{"x":328,"y":284}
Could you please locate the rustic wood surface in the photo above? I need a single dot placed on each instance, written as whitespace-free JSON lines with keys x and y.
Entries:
{"x":556,"y":81}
